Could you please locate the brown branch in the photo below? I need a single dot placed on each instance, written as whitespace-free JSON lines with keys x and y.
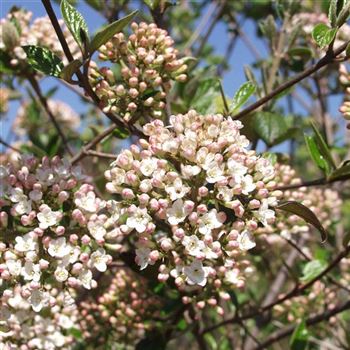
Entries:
{"x":36,"y":87}
{"x":317,"y":182}
{"x":83,"y":78}
{"x":324,"y":61}
{"x":3,"y":142}
{"x":322,"y":316}
{"x":83,"y":152}
{"x":100,"y":154}
{"x":293,"y":293}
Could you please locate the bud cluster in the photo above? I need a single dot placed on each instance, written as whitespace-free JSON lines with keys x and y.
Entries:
{"x":124,"y":312}
{"x":17,"y":30}
{"x":344,"y":78}
{"x":48,"y":229}
{"x":192,"y":196}
{"x":24,"y":329}
{"x":149,"y":64}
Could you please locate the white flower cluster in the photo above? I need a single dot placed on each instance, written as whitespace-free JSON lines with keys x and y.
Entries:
{"x":193,"y":195}
{"x":48,"y":234}
{"x":149,"y":64}
{"x":17,"y":30}
{"x":22,"y":328}
{"x":64,"y":114}
{"x":344,"y":78}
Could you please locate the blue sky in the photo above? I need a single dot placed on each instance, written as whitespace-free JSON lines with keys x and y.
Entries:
{"x":231,"y":82}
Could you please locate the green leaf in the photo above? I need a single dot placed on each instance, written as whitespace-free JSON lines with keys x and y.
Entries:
{"x":270,"y":127}
{"x":96,"y":4}
{"x":5,"y":63}
{"x":301,"y":52}
{"x":343,"y":14}
{"x":75,"y":22}
{"x":206,"y":96}
{"x":299,"y":338}
{"x":242,"y":95}
{"x":121,"y":133}
{"x":312,"y":269}
{"x":323,"y":147}
{"x":332,"y":12}
{"x":43,"y":60}
{"x":106,"y":33}
{"x":152,"y":4}
{"x":316,"y":154}
{"x":342,"y":173}
{"x":70,"y":69}
{"x":323,"y":35}
{"x":76,"y":333}
{"x":305,"y":213}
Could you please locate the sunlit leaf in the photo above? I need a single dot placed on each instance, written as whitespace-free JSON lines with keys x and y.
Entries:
{"x":242,"y":95}
{"x":323,"y":35}
{"x":43,"y":60}
{"x":106,"y":33}
{"x":305,"y":213}
{"x":299,"y":339}
{"x":312,"y":269}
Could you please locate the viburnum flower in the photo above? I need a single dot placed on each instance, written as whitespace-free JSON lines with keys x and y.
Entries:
{"x":192,"y":196}
{"x":344,"y":79}
{"x":41,"y":244}
{"x":149,"y":64}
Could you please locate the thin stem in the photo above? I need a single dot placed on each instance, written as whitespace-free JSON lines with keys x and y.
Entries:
{"x":317,"y":182}
{"x":284,"y":332}
{"x":327,"y":59}
{"x":293,"y":293}
{"x":83,"y":152}
{"x":4,"y":143}
{"x":36,"y":87}
{"x":100,"y":154}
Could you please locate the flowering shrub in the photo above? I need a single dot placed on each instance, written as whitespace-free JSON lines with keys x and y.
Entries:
{"x":47,"y":219}
{"x":153,"y":208}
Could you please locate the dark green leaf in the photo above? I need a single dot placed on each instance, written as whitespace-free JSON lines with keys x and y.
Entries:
{"x":312,"y":269}
{"x":96,"y":4}
{"x":76,"y":333}
{"x":43,"y":60}
{"x":344,"y":14}
{"x":299,"y":339}
{"x":305,"y":213}
{"x":152,"y":341}
{"x":270,"y":127}
{"x":332,"y":12}
{"x":74,"y":21}
{"x":106,"y":33}
{"x":121,"y":133}
{"x":152,"y":4}
{"x":316,"y":154}
{"x":323,"y":147}
{"x":341,"y":173}
{"x":181,"y":325}
{"x":323,"y":35}
{"x":69,"y":70}
{"x":301,"y":52}
{"x":207,"y":95}
{"x":5,"y":63}
{"x":242,"y":95}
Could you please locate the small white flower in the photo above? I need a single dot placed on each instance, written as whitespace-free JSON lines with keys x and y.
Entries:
{"x":193,"y":245}
{"x":148,"y":166}
{"x":264,"y":214}
{"x":247,"y":184}
{"x":87,"y":202}
{"x":85,"y":277}
{"x":38,"y":300}
{"x":215,"y":173}
{"x":142,"y":257}
{"x":196,"y":273}
{"x":138,"y":220}
{"x":236,"y":169}
{"x":208,"y":222}
{"x":176,"y":213}
{"x":31,"y":271}
{"x":177,"y":189}
{"x":35,"y":195}
{"x":61,"y":274}
{"x":99,"y":259}
{"x":14,"y":267}
{"x":58,"y":248}
{"x":189,"y":171}
{"x":246,"y":240}
{"x":225,"y":194}
{"x":25,"y":243}
{"x":23,"y":205}
{"x":232,"y":276}
{"x":47,"y":217}
{"x":96,"y":229}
